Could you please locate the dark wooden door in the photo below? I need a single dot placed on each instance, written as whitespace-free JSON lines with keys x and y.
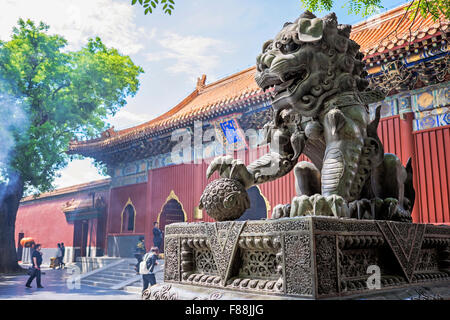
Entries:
{"x":84,"y":237}
{"x":171,"y":213}
{"x":19,"y":246}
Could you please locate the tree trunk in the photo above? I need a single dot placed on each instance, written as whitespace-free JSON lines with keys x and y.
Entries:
{"x":10,"y":195}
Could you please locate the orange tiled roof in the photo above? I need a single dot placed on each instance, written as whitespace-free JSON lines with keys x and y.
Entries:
{"x":203,"y":100}
{"x":71,"y":189}
{"x":375,"y":35}
{"x":390,"y":29}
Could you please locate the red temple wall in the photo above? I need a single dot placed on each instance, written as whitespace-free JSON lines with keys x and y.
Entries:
{"x":45,"y":222}
{"x":429,"y":150}
{"x":186,"y":181}
{"x":118,"y":199}
{"x":432,"y":175}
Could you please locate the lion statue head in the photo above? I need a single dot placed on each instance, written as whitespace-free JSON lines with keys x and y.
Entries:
{"x":309,"y":61}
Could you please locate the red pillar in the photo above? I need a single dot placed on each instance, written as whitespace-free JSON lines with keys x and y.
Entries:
{"x":409,"y":151}
{"x":148,"y":230}
{"x":407,"y":138}
{"x":108,"y":221}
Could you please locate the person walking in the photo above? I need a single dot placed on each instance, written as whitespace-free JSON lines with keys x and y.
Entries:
{"x":139,"y":252}
{"x":63,"y":252}
{"x":146,"y":268}
{"x":36,"y":259}
{"x":157,"y":236}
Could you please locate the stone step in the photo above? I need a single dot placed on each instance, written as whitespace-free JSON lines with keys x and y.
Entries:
{"x":106,"y":278}
{"x":100,"y":284}
{"x":133,"y":289}
{"x":113,"y":273}
{"x":119,"y":269}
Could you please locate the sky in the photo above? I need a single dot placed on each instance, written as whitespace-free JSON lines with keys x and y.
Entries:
{"x":212,"y":37}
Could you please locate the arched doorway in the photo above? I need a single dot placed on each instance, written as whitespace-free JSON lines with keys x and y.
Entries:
{"x":172,"y":211}
{"x":259,"y":206}
{"x":128,"y":217}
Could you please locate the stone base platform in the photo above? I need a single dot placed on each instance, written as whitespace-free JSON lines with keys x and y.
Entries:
{"x":437,"y":291}
{"x":305,"y":258}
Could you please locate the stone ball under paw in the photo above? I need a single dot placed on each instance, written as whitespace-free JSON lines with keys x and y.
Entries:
{"x":225,"y":199}
{"x":314,"y":130}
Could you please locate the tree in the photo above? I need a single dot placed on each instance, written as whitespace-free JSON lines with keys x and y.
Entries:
{"x":49,"y":96}
{"x":364,"y":7}
{"x":369,"y":7}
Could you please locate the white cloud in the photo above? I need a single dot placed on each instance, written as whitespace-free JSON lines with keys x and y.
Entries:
{"x":193,"y":55}
{"x":112,"y":21}
{"x":77,"y":172}
{"x":126,"y":119}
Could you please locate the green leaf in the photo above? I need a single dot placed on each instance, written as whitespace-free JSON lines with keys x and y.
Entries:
{"x":64,"y":94}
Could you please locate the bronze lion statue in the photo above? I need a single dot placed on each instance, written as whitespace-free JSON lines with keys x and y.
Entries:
{"x":320,"y":99}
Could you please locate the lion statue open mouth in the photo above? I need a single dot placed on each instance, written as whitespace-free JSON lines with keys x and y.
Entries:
{"x":320,"y":98}
{"x":310,"y":60}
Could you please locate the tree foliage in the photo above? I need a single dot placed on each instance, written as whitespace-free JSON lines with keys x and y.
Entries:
{"x":358,"y":7}
{"x":368,"y":7}
{"x":63,"y":94}
{"x":436,"y":8}
{"x":167,"y":6}
{"x":48,"y":96}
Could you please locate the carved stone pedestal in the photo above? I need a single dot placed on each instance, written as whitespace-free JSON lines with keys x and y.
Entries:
{"x":304,"y":258}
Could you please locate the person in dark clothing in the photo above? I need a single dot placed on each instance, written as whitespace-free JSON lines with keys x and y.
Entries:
{"x":58,"y":256}
{"x":63,"y":251}
{"x":148,"y":275}
{"x":157,"y":236}
{"x":139,"y":252}
{"x":36,"y":259}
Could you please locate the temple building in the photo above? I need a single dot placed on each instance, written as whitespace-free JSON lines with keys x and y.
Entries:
{"x":158,"y":169}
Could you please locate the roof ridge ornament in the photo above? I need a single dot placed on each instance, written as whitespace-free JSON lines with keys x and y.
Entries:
{"x":108,"y":133}
{"x":201,"y":82}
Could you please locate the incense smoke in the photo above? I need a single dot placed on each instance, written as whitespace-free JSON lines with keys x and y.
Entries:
{"x":13,"y":125}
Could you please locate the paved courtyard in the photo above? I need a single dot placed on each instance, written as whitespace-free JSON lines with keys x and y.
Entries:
{"x":56,"y":288}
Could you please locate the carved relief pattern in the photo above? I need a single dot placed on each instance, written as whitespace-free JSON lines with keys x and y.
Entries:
{"x":272,"y":258}
{"x":259,"y":264}
{"x":171,"y":255}
{"x":161,"y":293}
{"x":257,"y":284}
{"x":326,"y":264}
{"x":405,"y":240}
{"x":438,"y":230}
{"x":326,"y":224}
{"x":204,"y":262}
{"x":354,"y":263}
{"x":298,"y":270}
{"x":263,"y":226}
{"x":428,"y":260}
{"x":212,"y":296}
{"x":223,"y":238}
{"x":197,"y":261}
